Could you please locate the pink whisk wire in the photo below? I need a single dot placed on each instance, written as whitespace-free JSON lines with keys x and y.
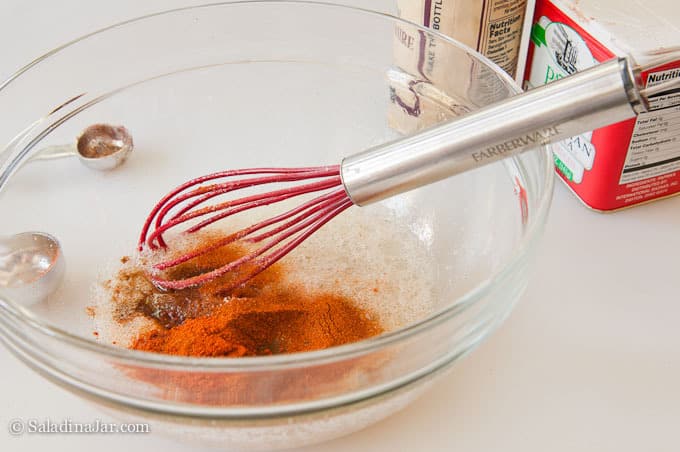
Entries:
{"x":287,"y":230}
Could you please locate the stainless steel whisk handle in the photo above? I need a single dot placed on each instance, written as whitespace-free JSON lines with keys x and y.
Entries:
{"x":602,"y":95}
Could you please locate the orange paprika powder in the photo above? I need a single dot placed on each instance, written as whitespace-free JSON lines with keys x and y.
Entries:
{"x":269,"y":315}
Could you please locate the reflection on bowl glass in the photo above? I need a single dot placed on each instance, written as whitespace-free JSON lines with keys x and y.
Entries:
{"x":205,"y":92}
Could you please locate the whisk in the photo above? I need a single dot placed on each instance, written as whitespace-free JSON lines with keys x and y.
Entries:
{"x":597,"y":97}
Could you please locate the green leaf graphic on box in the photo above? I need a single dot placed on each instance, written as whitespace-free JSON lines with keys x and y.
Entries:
{"x":538,"y":34}
{"x":563,"y":168}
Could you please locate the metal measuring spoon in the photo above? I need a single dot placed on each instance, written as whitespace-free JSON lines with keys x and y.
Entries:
{"x":32,"y":263}
{"x":31,"y":266}
{"x":100,"y":146}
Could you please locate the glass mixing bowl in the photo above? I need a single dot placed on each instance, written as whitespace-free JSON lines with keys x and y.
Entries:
{"x":258,"y":84}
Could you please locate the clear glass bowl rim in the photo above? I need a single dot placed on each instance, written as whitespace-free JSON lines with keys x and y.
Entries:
{"x":313,"y":357}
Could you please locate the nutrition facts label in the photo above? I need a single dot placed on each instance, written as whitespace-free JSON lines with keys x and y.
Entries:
{"x":655,"y":145}
{"x":502,"y":24}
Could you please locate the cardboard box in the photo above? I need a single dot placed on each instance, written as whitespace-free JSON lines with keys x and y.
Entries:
{"x":637,"y":160}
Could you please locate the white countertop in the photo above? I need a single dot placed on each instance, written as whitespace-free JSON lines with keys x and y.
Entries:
{"x":588,"y":361}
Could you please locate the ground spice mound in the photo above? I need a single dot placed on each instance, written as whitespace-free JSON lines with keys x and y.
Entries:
{"x":264,"y":325}
{"x":267,"y":316}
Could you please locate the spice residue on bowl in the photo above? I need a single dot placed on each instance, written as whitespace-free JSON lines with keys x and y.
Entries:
{"x":269,"y":315}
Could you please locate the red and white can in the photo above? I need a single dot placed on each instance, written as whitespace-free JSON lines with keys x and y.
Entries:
{"x":634,"y":161}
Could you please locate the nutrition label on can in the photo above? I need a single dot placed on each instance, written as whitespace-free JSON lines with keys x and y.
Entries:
{"x":654,"y":148}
